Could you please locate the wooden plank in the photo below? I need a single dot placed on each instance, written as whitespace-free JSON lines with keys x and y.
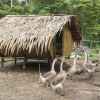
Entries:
{"x":67,"y":42}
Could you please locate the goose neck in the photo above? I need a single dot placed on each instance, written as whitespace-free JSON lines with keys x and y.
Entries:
{"x":75,"y":60}
{"x":53,"y":64}
{"x":61,"y":66}
{"x":86,"y":57}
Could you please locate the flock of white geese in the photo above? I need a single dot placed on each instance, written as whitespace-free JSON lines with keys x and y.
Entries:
{"x":57,"y":80}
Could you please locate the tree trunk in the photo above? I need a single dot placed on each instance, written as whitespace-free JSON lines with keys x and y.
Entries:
{"x":11,"y":3}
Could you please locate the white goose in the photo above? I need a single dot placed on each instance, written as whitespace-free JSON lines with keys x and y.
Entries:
{"x":59,"y":88}
{"x":73,"y":69}
{"x":47,"y":77}
{"x":88,"y":63}
{"x":58,"y":83}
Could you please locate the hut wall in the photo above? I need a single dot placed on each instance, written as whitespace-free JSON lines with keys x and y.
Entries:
{"x":67,"y":42}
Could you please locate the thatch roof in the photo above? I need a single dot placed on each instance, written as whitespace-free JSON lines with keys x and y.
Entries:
{"x":24,"y":35}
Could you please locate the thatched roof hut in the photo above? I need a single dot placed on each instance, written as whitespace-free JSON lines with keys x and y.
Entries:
{"x":35,"y":35}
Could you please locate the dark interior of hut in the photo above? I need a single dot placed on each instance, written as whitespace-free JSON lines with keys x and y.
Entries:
{"x":58,"y":43}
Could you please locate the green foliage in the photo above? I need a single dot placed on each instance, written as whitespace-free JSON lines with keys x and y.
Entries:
{"x":87,"y":10}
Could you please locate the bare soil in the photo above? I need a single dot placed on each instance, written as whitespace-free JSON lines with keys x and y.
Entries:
{"x":19,"y":84}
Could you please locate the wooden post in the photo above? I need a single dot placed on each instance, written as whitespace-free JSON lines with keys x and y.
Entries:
{"x":39,"y":68}
{"x":15,"y":60}
{"x":2,"y":61}
{"x":25,"y":62}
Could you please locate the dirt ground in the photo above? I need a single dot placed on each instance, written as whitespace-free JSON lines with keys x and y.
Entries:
{"x":19,"y":84}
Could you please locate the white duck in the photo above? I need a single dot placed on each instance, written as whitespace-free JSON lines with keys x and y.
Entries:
{"x":47,"y":77}
{"x":58,"y":83}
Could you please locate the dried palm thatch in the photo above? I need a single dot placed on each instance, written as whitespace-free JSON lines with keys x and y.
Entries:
{"x":30,"y":35}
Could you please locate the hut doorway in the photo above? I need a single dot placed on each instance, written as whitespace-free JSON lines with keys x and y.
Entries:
{"x":63,"y":43}
{"x":58,"y":43}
